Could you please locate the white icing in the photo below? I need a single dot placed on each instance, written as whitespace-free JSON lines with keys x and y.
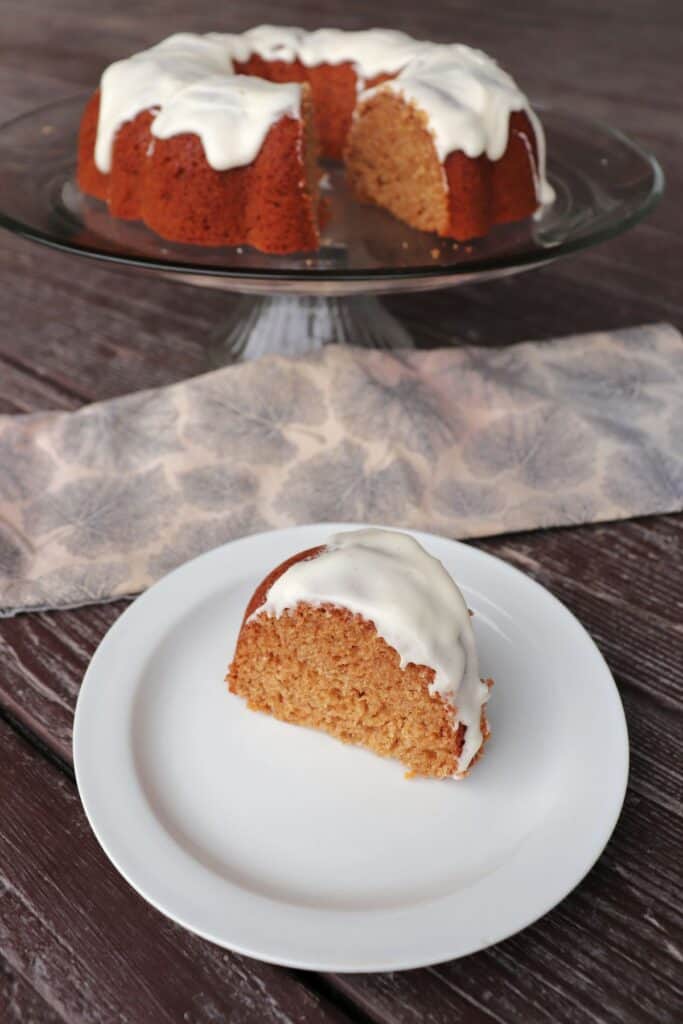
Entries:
{"x":545,"y":193}
{"x":271,"y":42}
{"x":390,"y":580}
{"x":468,"y":100}
{"x":371,"y":52}
{"x":188,"y":80}
{"x":149,"y":79}
{"x":231,"y":115}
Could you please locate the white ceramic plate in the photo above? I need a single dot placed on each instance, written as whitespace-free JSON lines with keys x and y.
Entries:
{"x":281,"y":843}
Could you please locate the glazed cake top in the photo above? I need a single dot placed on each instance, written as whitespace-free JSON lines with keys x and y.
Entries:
{"x":466,"y":97}
{"x":389,"y":579}
{"x":372,"y":51}
{"x":149,"y":79}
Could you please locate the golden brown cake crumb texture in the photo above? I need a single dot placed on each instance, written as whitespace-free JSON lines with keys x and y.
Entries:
{"x":311,"y":154}
{"x":327,"y":668}
{"x":391,"y":160}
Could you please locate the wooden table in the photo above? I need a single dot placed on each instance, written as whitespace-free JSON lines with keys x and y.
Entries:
{"x":76,"y":943}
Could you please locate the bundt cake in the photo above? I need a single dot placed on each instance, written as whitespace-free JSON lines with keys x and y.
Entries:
{"x":214,"y":139}
{"x":368,"y":638}
{"x":199,"y":154}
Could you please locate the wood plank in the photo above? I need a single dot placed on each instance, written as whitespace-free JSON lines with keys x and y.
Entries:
{"x":620,"y":579}
{"x":94,"y":345}
{"x":527,"y":970}
{"x":20,"y":1003}
{"x":73,"y":331}
{"x":611,"y":952}
{"x":89,"y":947}
{"x":43,"y":659}
{"x":22,"y":390}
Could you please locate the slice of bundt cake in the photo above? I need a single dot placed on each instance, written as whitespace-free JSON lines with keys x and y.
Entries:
{"x":368,"y":638}
{"x":450,"y":145}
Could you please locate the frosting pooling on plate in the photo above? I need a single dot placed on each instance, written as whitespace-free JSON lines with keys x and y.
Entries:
{"x":390,"y":580}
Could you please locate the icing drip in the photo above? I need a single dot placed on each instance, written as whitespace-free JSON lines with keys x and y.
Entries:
{"x":467,"y":97}
{"x":545,"y":193}
{"x":231,"y":116}
{"x":150,"y":78}
{"x":390,"y":580}
{"x":271,"y":42}
{"x":371,"y":52}
{"x":468,"y":100}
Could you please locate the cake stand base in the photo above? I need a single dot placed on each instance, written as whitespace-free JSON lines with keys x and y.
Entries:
{"x":292,"y":325}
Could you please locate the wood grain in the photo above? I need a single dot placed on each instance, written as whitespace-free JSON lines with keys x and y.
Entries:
{"x":645,"y":878}
{"x":89,"y":946}
{"x":19,"y":1001}
{"x":76,"y":944}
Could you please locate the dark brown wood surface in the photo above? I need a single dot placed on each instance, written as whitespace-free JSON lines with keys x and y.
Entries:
{"x":76,"y":944}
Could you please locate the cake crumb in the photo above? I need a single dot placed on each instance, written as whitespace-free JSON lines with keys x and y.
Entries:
{"x":455,"y":246}
{"x":435,"y":253}
{"x":404,"y":245}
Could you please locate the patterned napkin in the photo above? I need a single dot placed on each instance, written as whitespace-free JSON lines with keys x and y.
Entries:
{"x":465,"y":442}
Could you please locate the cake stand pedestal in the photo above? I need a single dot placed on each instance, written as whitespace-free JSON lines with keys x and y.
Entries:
{"x":294,"y":324}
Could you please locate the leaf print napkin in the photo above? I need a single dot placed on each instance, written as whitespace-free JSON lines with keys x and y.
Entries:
{"x":465,"y":442}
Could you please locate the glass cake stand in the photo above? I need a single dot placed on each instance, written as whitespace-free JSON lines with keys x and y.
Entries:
{"x":604,"y":184}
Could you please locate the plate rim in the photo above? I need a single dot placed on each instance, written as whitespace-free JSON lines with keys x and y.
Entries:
{"x":607,"y":824}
